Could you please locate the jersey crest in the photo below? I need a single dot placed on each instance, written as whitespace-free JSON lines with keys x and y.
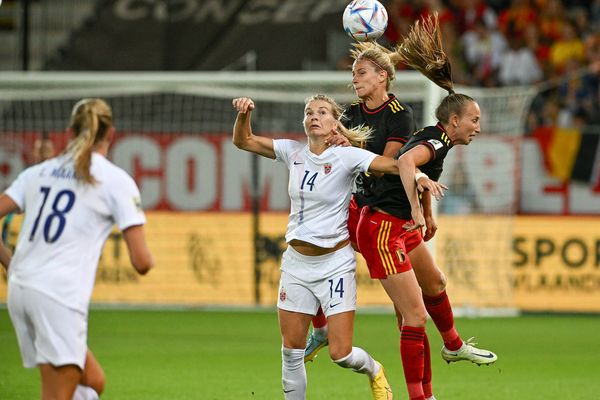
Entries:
{"x":327,"y":168}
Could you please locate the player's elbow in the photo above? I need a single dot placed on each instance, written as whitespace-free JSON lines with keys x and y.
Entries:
{"x":142,"y":262}
{"x":406,"y":163}
{"x":238,"y":143}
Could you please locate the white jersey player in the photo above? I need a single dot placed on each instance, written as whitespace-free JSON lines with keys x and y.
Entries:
{"x":70,"y":203}
{"x":318,"y":267}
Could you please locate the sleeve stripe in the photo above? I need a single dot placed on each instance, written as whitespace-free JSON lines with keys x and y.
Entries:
{"x":397,"y":139}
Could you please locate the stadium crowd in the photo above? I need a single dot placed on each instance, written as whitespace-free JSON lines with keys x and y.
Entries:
{"x":554,"y":44}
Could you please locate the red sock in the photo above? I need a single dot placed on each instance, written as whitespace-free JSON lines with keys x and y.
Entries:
{"x":319,"y":320}
{"x":412,"y":354}
{"x":427,"y":390}
{"x":440,"y":311}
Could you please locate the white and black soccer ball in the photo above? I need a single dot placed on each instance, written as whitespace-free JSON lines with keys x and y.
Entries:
{"x":365,"y":20}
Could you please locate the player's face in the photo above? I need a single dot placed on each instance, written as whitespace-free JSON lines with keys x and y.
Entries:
{"x":319,"y":119}
{"x":366,"y":78}
{"x":468,"y":125}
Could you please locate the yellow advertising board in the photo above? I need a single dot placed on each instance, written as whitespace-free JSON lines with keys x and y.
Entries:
{"x":556,"y":263}
{"x":536,"y":263}
{"x":475,"y":254}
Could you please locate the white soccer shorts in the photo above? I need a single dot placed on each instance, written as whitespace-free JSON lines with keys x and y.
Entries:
{"x":47,"y":331}
{"x":301,"y":291}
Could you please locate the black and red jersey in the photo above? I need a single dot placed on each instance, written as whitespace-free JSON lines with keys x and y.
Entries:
{"x":388,"y":193}
{"x":393,"y":121}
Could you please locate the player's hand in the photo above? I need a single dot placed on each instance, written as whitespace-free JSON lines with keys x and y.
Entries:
{"x":337,"y":139}
{"x":418,"y":221}
{"x":243,"y":104}
{"x":430,"y":228}
{"x":435,"y":188}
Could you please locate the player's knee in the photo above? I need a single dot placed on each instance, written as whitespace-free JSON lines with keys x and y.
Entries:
{"x":97,"y":382}
{"x":339,"y":352}
{"x":94,"y":378}
{"x":417,"y":318}
{"x":436,"y":285}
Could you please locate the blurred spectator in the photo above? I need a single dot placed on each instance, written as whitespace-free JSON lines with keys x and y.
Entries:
{"x":595,"y":14}
{"x":580,"y":18}
{"x":474,"y":11}
{"x":568,"y":47}
{"x":552,"y":18}
{"x":518,"y":65}
{"x":540,"y":48}
{"x":483,"y":52}
{"x":517,"y":17}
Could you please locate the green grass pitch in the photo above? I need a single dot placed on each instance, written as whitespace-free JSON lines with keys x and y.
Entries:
{"x":236,"y":355}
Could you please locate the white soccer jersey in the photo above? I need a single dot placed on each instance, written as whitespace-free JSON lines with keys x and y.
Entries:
{"x":320,"y":187}
{"x":66,"y":224}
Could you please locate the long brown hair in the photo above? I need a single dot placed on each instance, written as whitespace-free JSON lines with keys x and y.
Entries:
{"x":90,"y":121}
{"x":422,"y":50}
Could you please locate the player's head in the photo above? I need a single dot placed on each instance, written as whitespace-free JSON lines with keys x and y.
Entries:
{"x":91,"y":124}
{"x":43,"y":149}
{"x":322,"y":117}
{"x":422,"y":50}
{"x":460,"y":115}
{"x":373,"y":68}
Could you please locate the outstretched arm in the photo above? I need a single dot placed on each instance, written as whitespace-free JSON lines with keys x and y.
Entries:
{"x":243,"y":138}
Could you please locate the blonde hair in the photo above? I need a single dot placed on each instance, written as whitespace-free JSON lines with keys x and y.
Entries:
{"x":422,"y":50}
{"x":90,"y":121}
{"x":357,"y":136}
{"x":381,"y":57}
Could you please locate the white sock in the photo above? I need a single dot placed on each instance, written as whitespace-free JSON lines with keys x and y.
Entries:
{"x":293,"y":374}
{"x":360,"y":361}
{"x":85,"y":393}
{"x":321,"y":332}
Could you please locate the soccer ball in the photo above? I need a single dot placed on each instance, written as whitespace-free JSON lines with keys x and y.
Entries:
{"x":365,"y":20}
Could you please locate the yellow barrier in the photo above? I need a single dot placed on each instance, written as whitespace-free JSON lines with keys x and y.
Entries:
{"x":531,"y":263}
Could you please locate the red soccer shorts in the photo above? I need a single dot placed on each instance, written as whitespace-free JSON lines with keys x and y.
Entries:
{"x":353,"y":217}
{"x":384,"y":243}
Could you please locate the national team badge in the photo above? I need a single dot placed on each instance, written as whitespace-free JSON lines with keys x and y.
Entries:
{"x":327,"y":168}
{"x":282,"y":295}
{"x":401,"y":256}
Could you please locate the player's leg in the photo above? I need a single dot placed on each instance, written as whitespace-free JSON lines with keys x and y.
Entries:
{"x":293,"y":326}
{"x":380,"y":239}
{"x":317,"y":339}
{"x":51,"y":336}
{"x":427,"y":373}
{"x":433,"y":284}
{"x":58,"y":383}
{"x":357,"y":359}
{"x":403,"y":290}
{"x":296,"y":306}
{"x":92,"y":381}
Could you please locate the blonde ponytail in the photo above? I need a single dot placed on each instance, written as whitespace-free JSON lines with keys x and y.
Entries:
{"x":90,"y":120}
